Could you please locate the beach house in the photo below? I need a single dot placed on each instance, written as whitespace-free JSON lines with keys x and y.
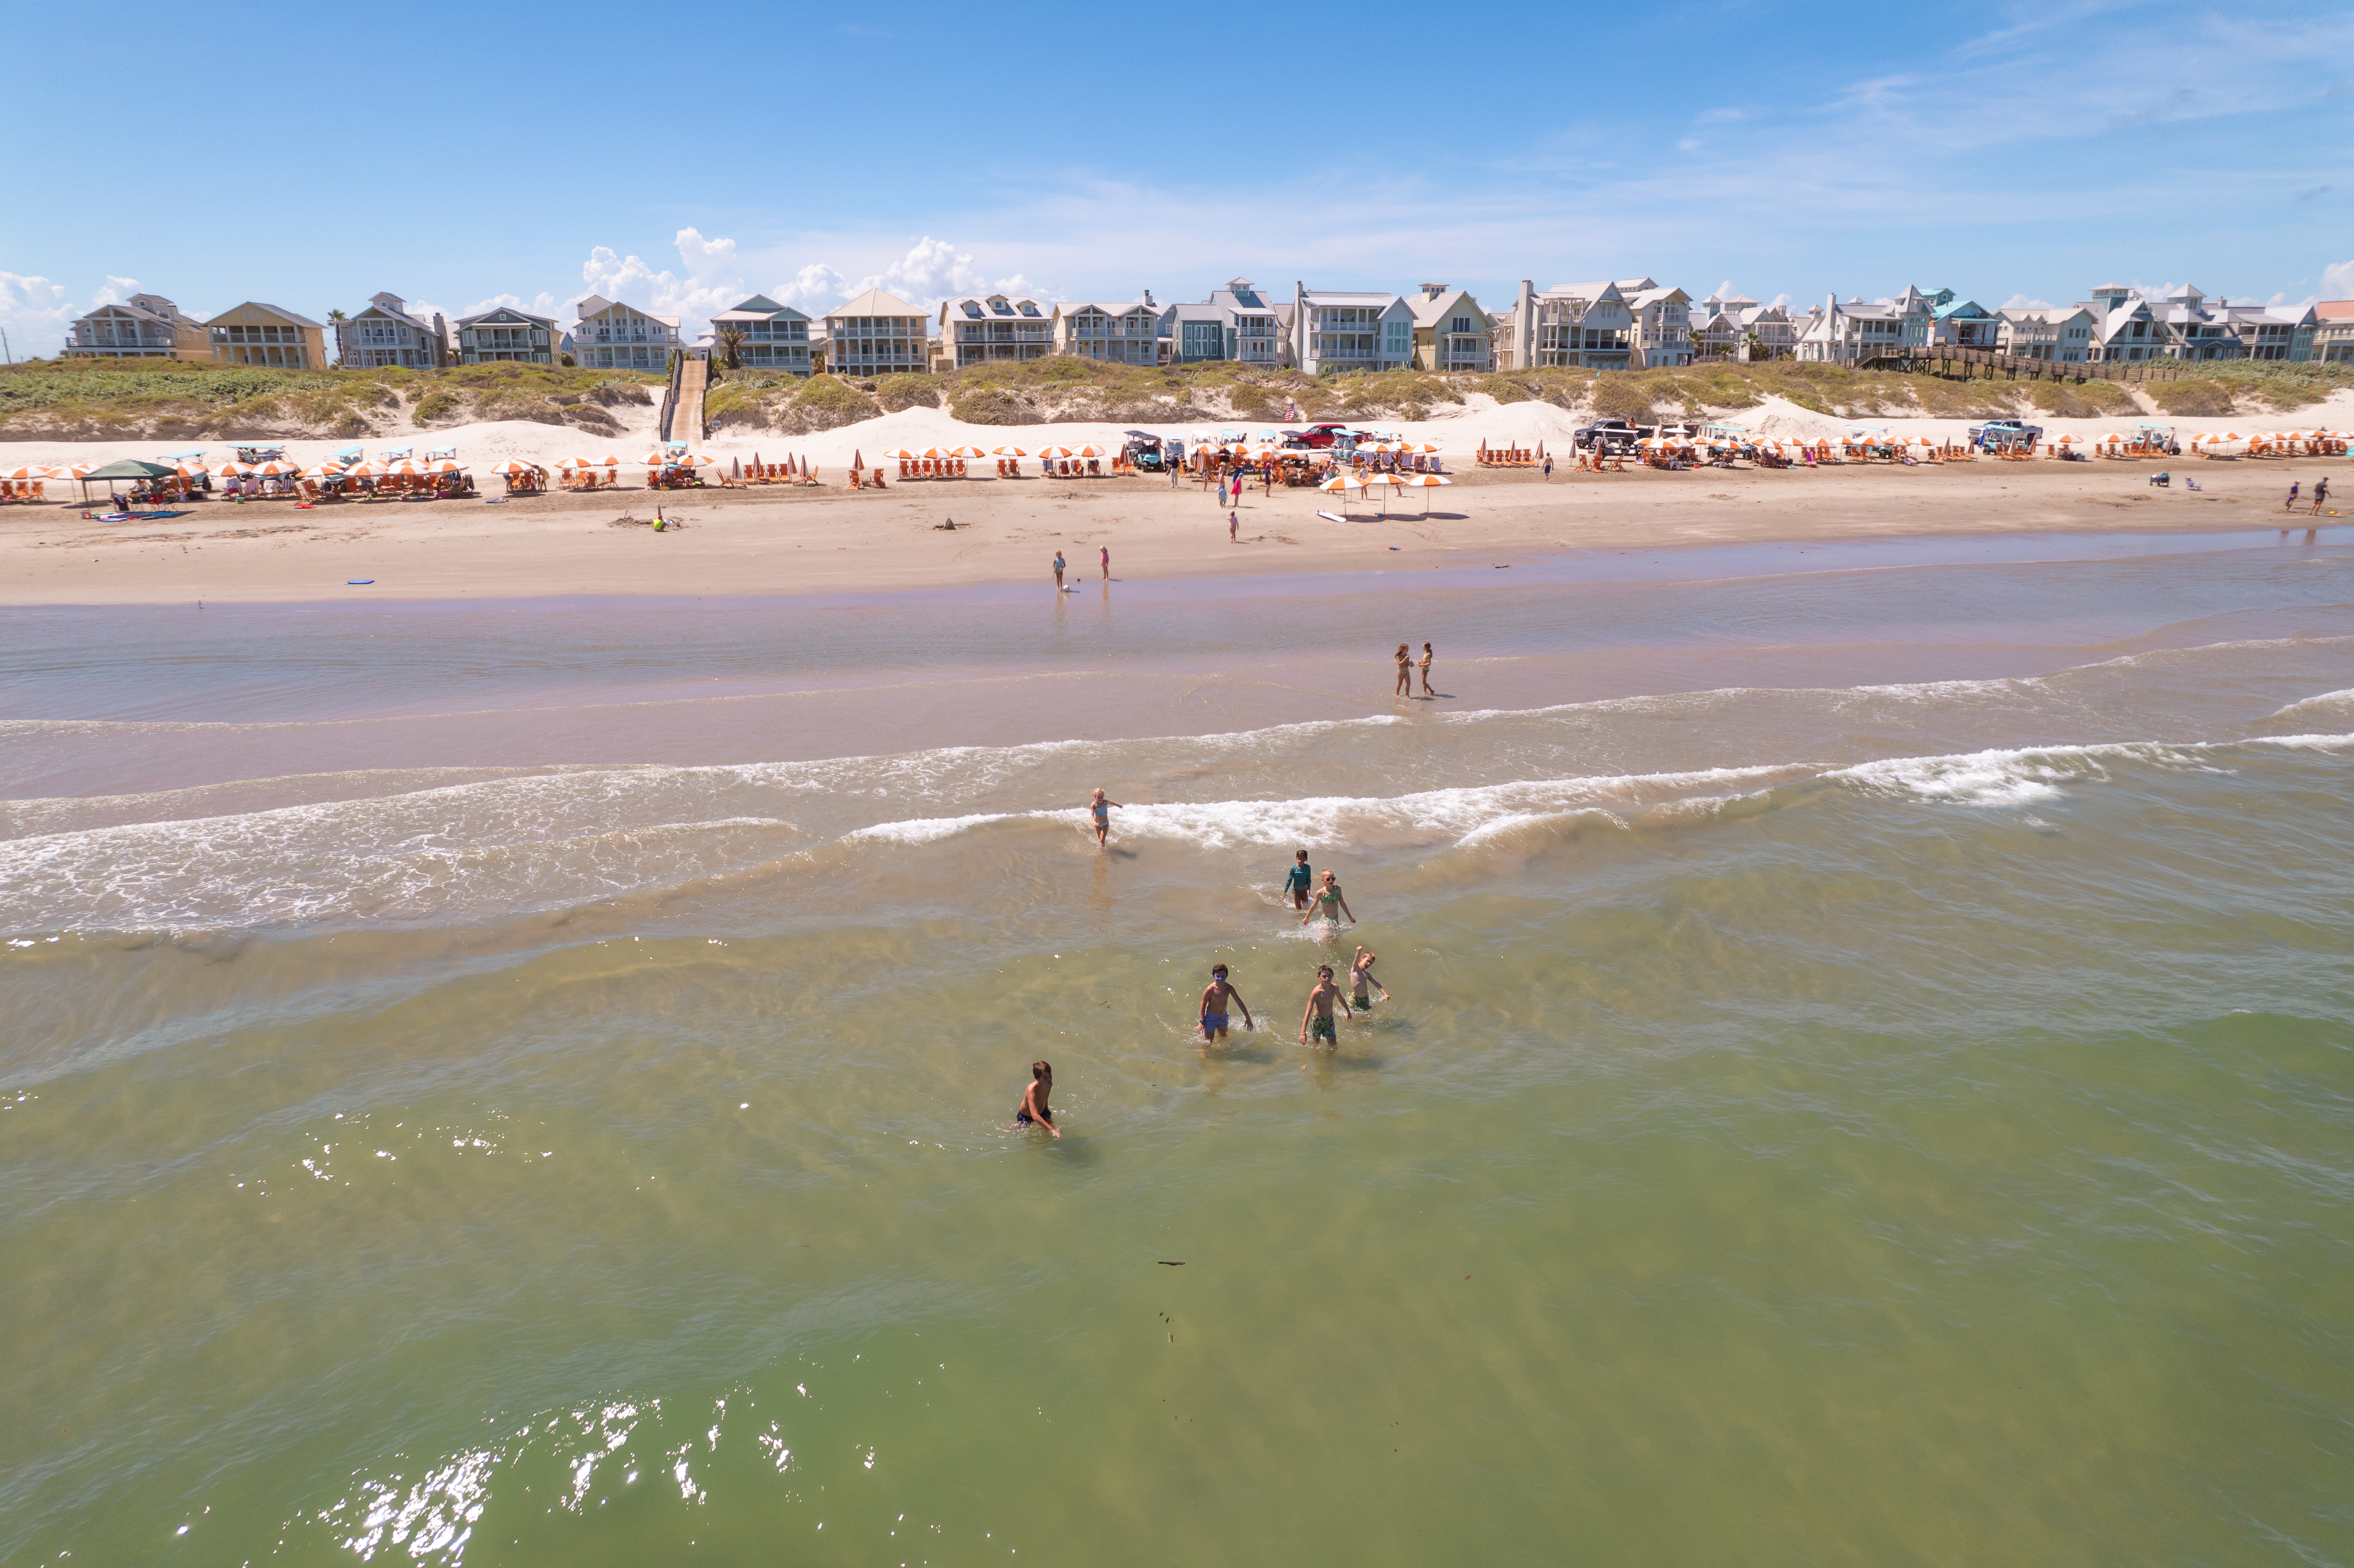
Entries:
{"x":144,"y":326}
{"x":2129,"y":325}
{"x":1234,"y":323}
{"x":1964,"y":324}
{"x":768,"y":335}
{"x":610,"y":335}
{"x":1128,"y":332}
{"x":2273,"y":331}
{"x":1662,"y":335}
{"x":2062,"y":335}
{"x":2333,"y":332}
{"x":977,"y":328}
{"x":1450,"y":330}
{"x":504,"y":335}
{"x":1854,"y":332}
{"x":1583,"y":326}
{"x":1717,"y":332}
{"x":876,"y":334}
{"x":1333,"y":331}
{"x":387,"y":334}
{"x":256,"y":333}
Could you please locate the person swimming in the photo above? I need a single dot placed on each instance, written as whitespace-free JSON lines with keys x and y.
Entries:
{"x":1033,"y":1111}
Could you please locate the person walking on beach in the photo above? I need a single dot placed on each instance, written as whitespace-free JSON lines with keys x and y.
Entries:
{"x":1033,"y":1110}
{"x":2290,"y":504}
{"x":1317,"y":1019}
{"x":1361,"y":975}
{"x":1548,"y":468}
{"x":1101,"y":809}
{"x":2320,"y":495}
{"x":1234,"y":528}
{"x":1106,"y":562}
{"x":1059,"y":571}
{"x":1327,"y":900}
{"x":1214,"y":998}
{"x":1298,"y":879}
{"x":1425,"y":672}
{"x":1405,"y":672}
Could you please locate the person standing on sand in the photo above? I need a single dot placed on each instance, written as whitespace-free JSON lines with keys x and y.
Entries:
{"x":2290,"y":504}
{"x":1215,"y":998}
{"x":1033,"y":1111}
{"x":1059,"y":571}
{"x":1548,"y":468}
{"x":1405,"y":672}
{"x":1318,"y":1017}
{"x":1234,"y":528}
{"x":1425,"y":672}
{"x":2320,"y":495}
{"x":1101,"y":809}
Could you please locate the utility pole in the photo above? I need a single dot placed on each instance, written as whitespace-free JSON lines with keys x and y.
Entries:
{"x":5,"y":348}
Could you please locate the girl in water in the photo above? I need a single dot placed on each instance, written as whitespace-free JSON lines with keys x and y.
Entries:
{"x":1425,"y":672}
{"x":1405,"y":672}
{"x":1327,"y":901}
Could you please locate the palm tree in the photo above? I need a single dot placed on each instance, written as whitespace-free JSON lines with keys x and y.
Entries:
{"x":335,"y":320}
{"x":731,"y":338}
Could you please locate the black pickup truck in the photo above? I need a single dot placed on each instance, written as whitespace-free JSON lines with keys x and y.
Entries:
{"x":1611,"y":436}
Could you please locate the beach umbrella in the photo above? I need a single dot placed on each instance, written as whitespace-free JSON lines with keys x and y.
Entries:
{"x":33,"y":470}
{"x":277,"y":468}
{"x":233,"y":469}
{"x":322,"y":471}
{"x":1087,"y":452}
{"x":1426,"y":482}
{"x":368,"y":470}
{"x":655,"y":459}
{"x":697,"y":460}
{"x":76,"y":470}
{"x":515,"y":467}
{"x":1007,"y":451}
{"x":857,"y":459}
{"x":897,"y":454}
{"x":445,"y":465}
{"x":1055,"y":452}
{"x":967,"y":450}
{"x":1341,"y":482}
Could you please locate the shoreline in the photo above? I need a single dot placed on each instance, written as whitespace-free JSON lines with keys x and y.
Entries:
{"x":735,"y":545}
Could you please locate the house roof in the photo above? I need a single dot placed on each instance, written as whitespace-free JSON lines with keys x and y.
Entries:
{"x":279,"y":310}
{"x":1427,"y":311}
{"x":1344,"y":297}
{"x":760,"y":308}
{"x":1109,"y":308}
{"x":506,"y":310}
{"x":874,"y":303}
{"x":2334,"y":310}
{"x":1589,"y":291}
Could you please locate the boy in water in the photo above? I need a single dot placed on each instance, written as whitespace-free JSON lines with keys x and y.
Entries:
{"x":1361,"y":975}
{"x":1101,"y":808}
{"x":1215,"y":998}
{"x":1032,"y":1111}
{"x":1298,"y":879}
{"x":1327,"y":900}
{"x":1318,"y":1018}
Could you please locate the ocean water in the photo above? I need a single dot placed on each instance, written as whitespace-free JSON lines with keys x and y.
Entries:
{"x":1867,"y":1076}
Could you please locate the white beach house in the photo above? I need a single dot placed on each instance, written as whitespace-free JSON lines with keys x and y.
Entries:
{"x":504,"y":335}
{"x":611,"y":335}
{"x":1126,"y":332}
{"x":384,"y":333}
{"x":1854,"y":332}
{"x":977,"y":328}
{"x":1583,"y":326}
{"x":1333,"y":331}
{"x":1662,"y":333}
{"x":2062,"y":334}
{"x":1234,"y":323}
{"x":876,"y":334}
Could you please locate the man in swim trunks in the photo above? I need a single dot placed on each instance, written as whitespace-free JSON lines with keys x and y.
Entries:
{"x":1327,"y":900}
{"x":1318,"y":1018}
{"x":1298,"y":879}
{"x":1032,"y":1111}
{"x":1101,"y":808}
{"x":1361,"y":975}
{"x":1215,"y":998}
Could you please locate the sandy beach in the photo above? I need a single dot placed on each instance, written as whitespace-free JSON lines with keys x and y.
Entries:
{"x":773,"y":540}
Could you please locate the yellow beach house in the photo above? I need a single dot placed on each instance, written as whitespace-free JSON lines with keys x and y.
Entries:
{"x":256,"y":333}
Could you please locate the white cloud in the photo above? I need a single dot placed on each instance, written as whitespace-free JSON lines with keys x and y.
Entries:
{"x":35,"y":313}
{"x":814,"y":285}
{"x":933,"y":269}
{"x":116,"y":291}
{"x":542,"y":304}
{"x":2337,"y":281}
{"x":2021,"y":303}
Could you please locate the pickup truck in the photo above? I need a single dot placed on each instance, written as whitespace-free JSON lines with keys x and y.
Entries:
{"x":1610,"y":435}
{"x":2005,"y":433}
{"x":1316,"y":436}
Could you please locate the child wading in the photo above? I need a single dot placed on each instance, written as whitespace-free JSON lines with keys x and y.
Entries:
{"x":1215,"y":998}
{"x":1327,"y":901}
{"x":1033,"y":1111}
{"x":1361,"y":975}
{"x":1298,"y":879}
{"x":1318,"y":1018}
{"x":1101,"y":808}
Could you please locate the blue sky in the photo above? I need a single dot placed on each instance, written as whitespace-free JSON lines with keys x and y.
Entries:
{"x":456,"y":156}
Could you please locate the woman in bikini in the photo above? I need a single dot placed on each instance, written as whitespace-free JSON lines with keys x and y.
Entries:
{"x":1405,"y":672}
{"x":1425,"y":672}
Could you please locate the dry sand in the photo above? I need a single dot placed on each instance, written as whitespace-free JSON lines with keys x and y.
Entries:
{"x":773,"y":541}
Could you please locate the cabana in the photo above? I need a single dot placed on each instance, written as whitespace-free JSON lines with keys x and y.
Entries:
{"x":131,"y":469}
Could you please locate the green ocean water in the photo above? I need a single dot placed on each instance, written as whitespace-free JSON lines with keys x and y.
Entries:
{"x":1856,"y":1123}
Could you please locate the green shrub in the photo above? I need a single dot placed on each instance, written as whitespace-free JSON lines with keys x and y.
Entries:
{"x":991,"y":406}
{"x":1622,"y":397}
{"x":439,"y":403}
{"x":826,"y":403}
{"x":908,"y":391}
{"x":2203,"y":395}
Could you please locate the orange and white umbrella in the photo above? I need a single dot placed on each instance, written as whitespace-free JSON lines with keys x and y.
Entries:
{"x":322,"y":471}
{"x":1099,"y":451}
{"x":444,"y":465}
{"x":967,"y":451}
{"x":1426,"y":482}
{"x":74,"y":470}
{"x":277,"y":468}
{"x":697,"y":460}
{"x":369,"y":469}
{"x":1341,"y":482}
{"x":233,"y":469}
{"x":1056,"y":453}
{"x":1007,"y":451}
{"x":655,"y":459}
{"x":1389,"y":480}
{"x":515,"y":467}
{"x":34,"y":470}
{"x":900,"y":454}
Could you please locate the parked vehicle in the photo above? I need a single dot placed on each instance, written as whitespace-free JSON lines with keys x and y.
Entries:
{"x":1317,"y":436}
{"x":1611,"y":436}
{"x":2005,"y":433}
{"x":1144,"y":455}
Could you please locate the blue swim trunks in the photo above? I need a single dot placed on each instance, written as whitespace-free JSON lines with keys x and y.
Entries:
{"x":1212,"y":1022}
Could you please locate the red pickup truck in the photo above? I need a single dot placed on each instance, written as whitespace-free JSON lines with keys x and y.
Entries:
{"x":1323,"y":435}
